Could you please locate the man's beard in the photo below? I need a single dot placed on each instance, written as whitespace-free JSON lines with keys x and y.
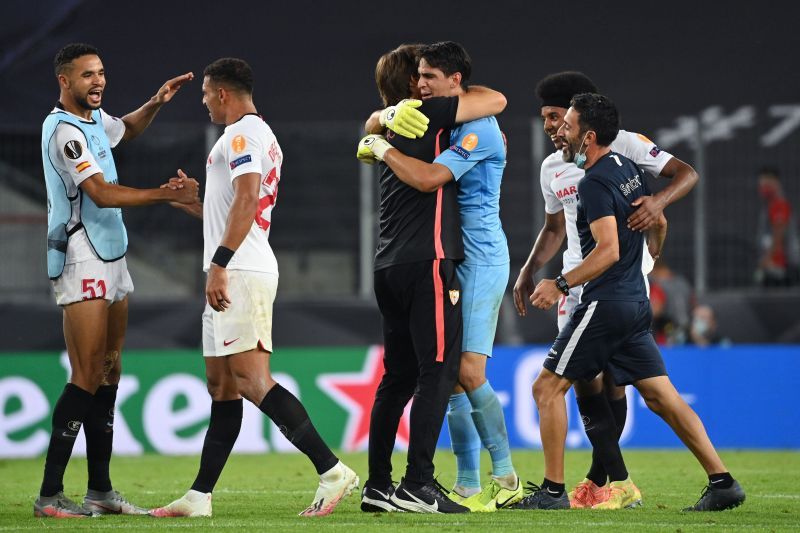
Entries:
{"x":84,"y":103}
{"x":567,"y":153}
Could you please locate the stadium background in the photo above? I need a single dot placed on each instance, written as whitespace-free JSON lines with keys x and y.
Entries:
{"x":715,"y":86}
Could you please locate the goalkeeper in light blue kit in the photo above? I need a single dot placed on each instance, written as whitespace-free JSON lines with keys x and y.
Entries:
{"x":476,"y":159}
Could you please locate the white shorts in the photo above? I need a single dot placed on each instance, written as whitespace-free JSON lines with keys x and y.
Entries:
{"x":247,"y":322}
{"x":566,"y":304}
{"x":93,"y":279}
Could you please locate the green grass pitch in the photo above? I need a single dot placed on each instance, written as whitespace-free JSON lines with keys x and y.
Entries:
{"x":265,"y":493}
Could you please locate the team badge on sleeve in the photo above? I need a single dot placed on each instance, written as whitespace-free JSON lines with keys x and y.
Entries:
{"x":238,"y":144}
{"x":241,"y":161}
{"x":470,"y":142}
{"x":655,"y":150}
{"x":73,"y":149}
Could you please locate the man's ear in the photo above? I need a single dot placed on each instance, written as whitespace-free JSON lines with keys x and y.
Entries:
{"x":455,"y":79}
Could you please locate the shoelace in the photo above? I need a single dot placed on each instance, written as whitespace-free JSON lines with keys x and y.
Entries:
{"x":441,"y":487}
{"x":703,"y":493}
{"x":494,"y":489}
{"x":584,"y":493}
{"x":69,"y":505}
{"x":531,"y":487}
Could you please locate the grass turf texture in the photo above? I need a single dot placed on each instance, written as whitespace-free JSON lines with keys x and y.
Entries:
{"x":256,"y":493}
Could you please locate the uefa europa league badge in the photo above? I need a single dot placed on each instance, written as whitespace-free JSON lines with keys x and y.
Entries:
{"x":454,"y":294}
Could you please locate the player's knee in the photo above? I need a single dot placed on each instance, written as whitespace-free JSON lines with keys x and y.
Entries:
{"x":655,"y":402}
{"x":470,"y":379}
{"x":221,"y":390}
{"x":543,"y":391}
{"x":254,"y":388}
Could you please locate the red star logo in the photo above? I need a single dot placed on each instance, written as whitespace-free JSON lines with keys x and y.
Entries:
{"x":355,"y":391}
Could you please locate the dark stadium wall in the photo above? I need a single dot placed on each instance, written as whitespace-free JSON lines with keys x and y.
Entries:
{"x":315,"y":59}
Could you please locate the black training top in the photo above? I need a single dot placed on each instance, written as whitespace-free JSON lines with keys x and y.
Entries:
{"x":607,"y":189}
{"x":417,"y":226}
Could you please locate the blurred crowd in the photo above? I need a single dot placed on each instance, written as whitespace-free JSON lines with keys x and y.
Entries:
{"x":778,"y":242}
{"x":678,"y":319}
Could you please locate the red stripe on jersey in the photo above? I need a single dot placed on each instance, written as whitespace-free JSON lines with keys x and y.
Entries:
{"x":438,"y":294}
{"x":437,"y":223}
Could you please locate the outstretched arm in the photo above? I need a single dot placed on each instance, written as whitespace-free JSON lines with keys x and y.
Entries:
{"x":106,"y":194}
{"x":683,"y":178}
{"x":137,"y":121}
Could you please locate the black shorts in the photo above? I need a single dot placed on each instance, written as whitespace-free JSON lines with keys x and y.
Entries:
{"x":612,"y":336}
{"x":421,"y":307}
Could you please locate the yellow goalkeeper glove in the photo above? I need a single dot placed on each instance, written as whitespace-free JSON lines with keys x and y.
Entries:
{"x":405,"y":119}
{"x":371,"y":148}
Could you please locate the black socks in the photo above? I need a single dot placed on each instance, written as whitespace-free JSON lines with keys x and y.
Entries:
{"x":223,"y":429}
{"x":68,"y":415}
{"x":553,"y":489}
{"x":99,"y":430}
{"x":292,"y":419}
{"x":721,"y":481}
{"x":601,"y":428}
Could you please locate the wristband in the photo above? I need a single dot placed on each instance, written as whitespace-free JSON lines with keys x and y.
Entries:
{"x":222,"y":256}
{"x":562,"y":285}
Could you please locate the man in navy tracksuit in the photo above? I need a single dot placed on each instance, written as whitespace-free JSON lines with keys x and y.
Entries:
{"x":610,"y":329}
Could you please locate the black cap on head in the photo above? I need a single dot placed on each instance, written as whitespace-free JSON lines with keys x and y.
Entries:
{"x":558,"y":89}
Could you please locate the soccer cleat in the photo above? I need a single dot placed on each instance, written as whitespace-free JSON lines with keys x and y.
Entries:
{"x":58,"y":506}
{"x":587,"y":494}
{"x":191,"y":504}
{"x":377,"y":500}
{"x":622,"y":495}
{"x":539,"y":498}
{"x":454,"y":496}
{"x":430,"y":498}
{"x":111,"y":502}
{"x":334,"y":485}
{"x":715,"y":499}
{"x":493,"y":497}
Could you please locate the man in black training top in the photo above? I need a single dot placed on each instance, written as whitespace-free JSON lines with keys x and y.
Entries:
{"x":417,"y":289}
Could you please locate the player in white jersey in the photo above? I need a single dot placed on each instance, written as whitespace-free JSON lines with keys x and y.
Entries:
{"x":86,"y":245}
{"x":242,"y":175}
{"x":559,"y":183}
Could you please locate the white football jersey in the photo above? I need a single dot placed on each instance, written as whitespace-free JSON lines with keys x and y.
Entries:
{"x":559,"y":181}
{"x":79,"y":248}
{"x":247,"y":145}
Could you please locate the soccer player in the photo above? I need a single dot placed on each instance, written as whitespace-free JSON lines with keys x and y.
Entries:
{"x":86,"y":245}
{"x":610,"y":329}
{"x":418,"y":291}
{"x":243,"y":171}
{"x":607,"y":409}
{"x":475,"y":158}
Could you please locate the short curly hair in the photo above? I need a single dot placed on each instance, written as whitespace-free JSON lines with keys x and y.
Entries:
{"x":558,"y":89}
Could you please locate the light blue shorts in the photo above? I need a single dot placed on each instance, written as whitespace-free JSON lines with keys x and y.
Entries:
{"x":482,"y":289}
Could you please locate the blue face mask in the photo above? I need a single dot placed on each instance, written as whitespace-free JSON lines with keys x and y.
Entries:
{"x":580,"y":158}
